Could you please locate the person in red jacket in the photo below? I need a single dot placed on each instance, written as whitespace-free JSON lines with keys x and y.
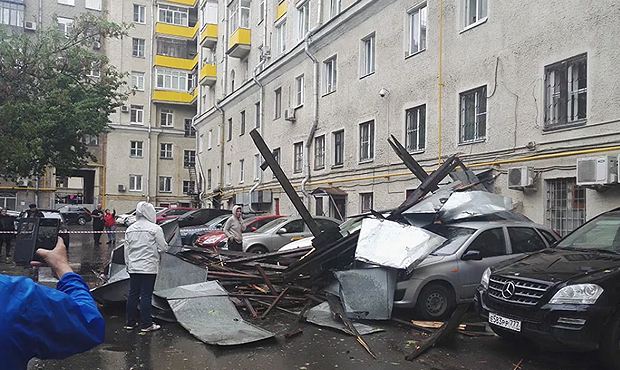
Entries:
{"x":109,"y":223}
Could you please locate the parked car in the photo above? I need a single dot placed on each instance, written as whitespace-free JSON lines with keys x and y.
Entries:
{"x":75,"y":214}
{"x":53,"y":213}
{"x":200,"y":216}
{"x":349,"y":226}
{"x":189,"y":234}
{"x":567,"y":296}
{"x":275,"y":234}
{"x":171,"y":213}
{"x":452,"y":272}
{"x":126,"y":219}
{"x":214,"y":238}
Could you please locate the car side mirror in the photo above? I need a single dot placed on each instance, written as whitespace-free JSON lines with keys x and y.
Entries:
{"x":282,"y":231}
{"x":472,"y":256}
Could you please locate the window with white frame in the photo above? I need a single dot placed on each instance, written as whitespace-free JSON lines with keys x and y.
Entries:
{"x":415,"y":128}
{"x":137,"y":47}
{"x":261,"y":11}
{"x":281,"y":36}
{"x":209,"y":12}
{"x":319,"y":152}
{"x":417,"y":25}
{"x":338,"y":148}
{"x":209,"y":178}
{"x":257,"y":170}
{"x":11,"y":14}
{"x":228,"y":173}
{"x":298,"y":157}
{"x":165,"y":184}
{"x":210,"y":140}
{"x":334,"y":8}
{"x":366,"y":202}
{"x":65,"y":25}
{"x":189,"y":158}
{"x":367,"y":141}
{"x":172,"y":79}
{"x":303,"y":19}
{"x":92,"y":4}
{"x":175,"y":48}
{"x":277,"y":109}
{"x":189,"y":187}
{"x":67,"y":2}
{"x":95,"y":70}
{"x":173,"y":15}
{"x":166,"y":117}
{"x":299,"y":90}
{"x":473,"y":117}
{"x":565,"y":207}
{"x":329,"y":75}
{"x":367,"y":55}
{"x":474,"y":11}
{"x":139,"y":13}
{"x":238,"y":15}
{"x":241,"y":171}
{"x":165,"y":150}
{"x":566,"y":91}
{"x":135,"y":182}
{"x":189,"y":130}
{"x":136,"y":114}
{"x":137,"y":80}
{"x":135,"y":149}
{"x":257,"y":115}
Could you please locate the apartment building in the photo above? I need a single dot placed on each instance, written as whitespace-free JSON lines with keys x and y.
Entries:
{"x":524,"y":89}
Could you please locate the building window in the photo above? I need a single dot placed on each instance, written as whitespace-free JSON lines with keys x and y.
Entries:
{"x":334,"y":8}
{"x":417,"y":29}
{"x":201,"y":143}
{"x":239,"y":15}
{"x":298,"y":157}
{"x":338,"y":148}
{"x":277,"y":103}
{"x":299,"y":91}
{"x":241,"y":171}
{"x":230,"y":129}
{"x":257,"y":115}
{"x":166,"y":118}
{"x":136,"y":114}
{"x":303,"y":19}
{"x":365,"y":202}
{"x":473,"y":120}
{"x":565,"y":205}
{"x":210,"y":140}
{"x":189,"y":158}
{"x":566,"y":91}
{"x":415,"y":128}
{"x":329,"y":75}
{"x":137,"y":47}
{"x":90,"y":140}
{"x":367,"y":141}
{"x":92,"y":4}
{"x":257,"y":170}
{"x":135,"y":150}
{"x":209,"y":178}
{"x":232,"y":80}
{"x":190,"y":131}
{"x":261,"y":11}
{"x":228,"y":173}
{"x":319,"y":152}
{"x":171,"y":79}
{"x":67,"y":2}
{"x":135,"y":182}
{"x":65,"y":25}
{"x":139,"y":13}
{"x":175,"y":48}
{"x":173,"y":15}
{"x":189,"y":187}
{"x":165,"y":151}
{"x":474,"y":11}
{"x":367,"y":56}
{"x":276,"y":157}
{"x":281,"y":36}
{"x":137,"y":81}
{"x":242,"y":124}
{"x":165,"y":184}
{"x":12,"y":14}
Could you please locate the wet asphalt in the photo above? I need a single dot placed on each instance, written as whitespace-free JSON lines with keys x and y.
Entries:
{"x":173,"y":347}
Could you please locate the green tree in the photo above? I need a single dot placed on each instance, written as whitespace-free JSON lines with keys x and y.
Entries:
{"x":50,"y":98}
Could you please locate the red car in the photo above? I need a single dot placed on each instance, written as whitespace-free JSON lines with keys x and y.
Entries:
{"x":171,"y":213}
{"x":214,"y":238}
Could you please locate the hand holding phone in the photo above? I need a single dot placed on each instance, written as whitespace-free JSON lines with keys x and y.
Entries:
{"x":55,"y":258}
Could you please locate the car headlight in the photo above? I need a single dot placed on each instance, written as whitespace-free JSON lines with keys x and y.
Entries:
{"x":578,"y":294}
{"x":485,"y":278}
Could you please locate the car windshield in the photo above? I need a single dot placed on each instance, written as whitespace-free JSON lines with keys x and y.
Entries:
{"x":455,"y":236}
{"x":270,"y":225}
{"x":602,"y":233}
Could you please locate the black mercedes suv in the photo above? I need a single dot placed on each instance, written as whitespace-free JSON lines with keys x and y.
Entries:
{"x":567,"y":296}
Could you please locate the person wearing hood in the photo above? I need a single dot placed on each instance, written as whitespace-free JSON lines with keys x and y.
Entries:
{"x":233,"y":229}
{"x":144,"y":241}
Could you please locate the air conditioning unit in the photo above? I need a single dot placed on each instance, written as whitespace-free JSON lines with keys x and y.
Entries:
{"x":121,"y":188}
{"x":520,"y":177}
{"x":23,"y":182}
{"x":96,"y":45}
{"x":31,"y":26}
{"x":597,"y":171}
{"x":124,"y":108}
{"x":289,"y":115}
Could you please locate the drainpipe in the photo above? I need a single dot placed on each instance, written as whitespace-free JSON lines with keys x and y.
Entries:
{"x":198,"y":162}
{"x":260,"y":101}
{"x":315,"y":118}
{"x":219,"y":109}
{"x":149,"y":99}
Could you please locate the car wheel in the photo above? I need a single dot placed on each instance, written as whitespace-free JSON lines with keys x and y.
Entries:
{"x":435,"y":302}
{"x":81,"y":221}
{"x":609,"y":349}
{"x":258,"y":249}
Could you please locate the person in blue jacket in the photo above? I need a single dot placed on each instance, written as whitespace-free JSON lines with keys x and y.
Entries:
{"x":37,"y":321}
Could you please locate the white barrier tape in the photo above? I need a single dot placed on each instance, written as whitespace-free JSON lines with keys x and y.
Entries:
{"x":77,"y":232}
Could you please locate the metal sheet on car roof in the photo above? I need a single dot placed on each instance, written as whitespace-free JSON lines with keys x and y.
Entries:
{"x":462,"y":205}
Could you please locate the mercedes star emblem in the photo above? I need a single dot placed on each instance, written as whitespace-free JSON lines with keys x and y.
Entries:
{"x":508,"y":290}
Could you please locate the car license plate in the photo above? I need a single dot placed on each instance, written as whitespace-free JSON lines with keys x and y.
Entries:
{"x":504,"y":322}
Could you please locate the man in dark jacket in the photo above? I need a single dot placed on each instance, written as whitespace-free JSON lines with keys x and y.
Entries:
{"x":33,"y":211}
{"x":98,"y":224}
{"x":7,"y":228}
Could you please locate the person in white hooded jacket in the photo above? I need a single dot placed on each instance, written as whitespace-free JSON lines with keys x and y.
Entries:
{"x":144,"y":241}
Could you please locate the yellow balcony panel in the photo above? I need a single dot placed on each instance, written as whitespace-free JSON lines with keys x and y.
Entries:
{"x":175,"y":63}
{"x":191,"y":3}
{"x":173,"y":97}
{"x":174,"y":30}
{"x":281,"y":10}
{"x":208,"y":74}
{"x":208,"y":36}
{"x":239,"y":43}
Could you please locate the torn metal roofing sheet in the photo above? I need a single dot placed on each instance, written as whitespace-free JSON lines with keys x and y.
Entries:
{"x":321,"y":315}
{"x":467,"y":204}
{"x":205,"y":310}
{"x":367,"y":293}
{"x":174,"y":272}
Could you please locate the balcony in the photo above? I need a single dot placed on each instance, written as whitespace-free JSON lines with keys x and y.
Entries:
{"x":208,"y":74}
{"x":176,"y":63}
{"x":239,"y":43}
{"x":176,"y":31}
{"x":281,"y":10}
{"x":208,"y":36}
{"x":191,"y":3}
{"x":174,"y":97}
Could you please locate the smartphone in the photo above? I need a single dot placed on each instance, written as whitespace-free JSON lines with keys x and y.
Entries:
{"x":32,"y":234}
